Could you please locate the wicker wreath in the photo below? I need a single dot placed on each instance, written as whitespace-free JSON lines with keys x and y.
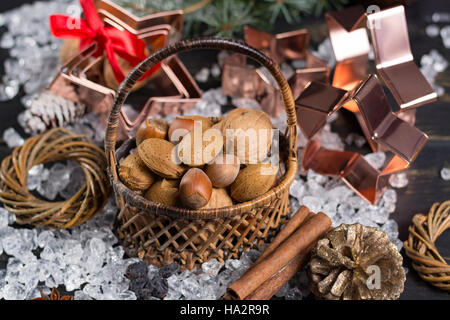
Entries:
{"x":420,"y":246}
{"x":55,"y":145}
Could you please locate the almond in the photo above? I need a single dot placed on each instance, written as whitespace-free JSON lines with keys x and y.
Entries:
{"x":199,"y":146}
{"x":69,"y":49}
{"x":253,"y":181}
{"x":219,"y":199}
{"x":134,"y":174}
{"x":163,"y":191}
{"x":159,"y":156}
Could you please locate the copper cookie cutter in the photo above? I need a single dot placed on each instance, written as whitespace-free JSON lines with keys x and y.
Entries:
{"x":394,"y":60}
{"x":368,"y":182}
{"x":176,"y":89}
{"x":242,"y":80}
{"x":393,"y":57}
{"x":290,"y":45}
{"x":380,"y":125}
{"x":350,"y":44}
{"x":119,"y":17}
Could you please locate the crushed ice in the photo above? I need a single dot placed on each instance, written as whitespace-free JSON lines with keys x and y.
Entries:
{"x":12,"y":138}
{"x":34,"y":52}
{"x":88,"y":260}
{"x":445,"y":173}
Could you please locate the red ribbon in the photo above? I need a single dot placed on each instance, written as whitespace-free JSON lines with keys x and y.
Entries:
{"x":109,"y":39}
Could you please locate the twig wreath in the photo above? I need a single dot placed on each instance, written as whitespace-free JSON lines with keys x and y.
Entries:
{"x":421,"y":248}
{"x":55,"y":145}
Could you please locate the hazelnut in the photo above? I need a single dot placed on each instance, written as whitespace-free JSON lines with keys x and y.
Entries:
{"x":184,"y":124}
{"x":223,"y":170}
{"x":152,"y":128}
{"x":195,"y":189}
{"x":163,"y":191}
{"x":134,"y":174}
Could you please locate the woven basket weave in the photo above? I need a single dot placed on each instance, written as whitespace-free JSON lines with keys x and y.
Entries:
{"x":162,"y":234}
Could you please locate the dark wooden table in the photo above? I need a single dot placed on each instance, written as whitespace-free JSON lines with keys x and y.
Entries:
{"x":425,"y":184}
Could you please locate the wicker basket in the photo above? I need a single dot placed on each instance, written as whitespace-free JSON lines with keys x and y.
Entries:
{"x":161,"y":234}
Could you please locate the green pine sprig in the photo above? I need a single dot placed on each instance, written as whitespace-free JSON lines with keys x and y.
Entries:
{"x":226,"y":18}
{"x":290,"y":10}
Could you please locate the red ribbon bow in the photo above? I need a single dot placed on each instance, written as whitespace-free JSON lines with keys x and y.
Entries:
{"x":109,"y":39}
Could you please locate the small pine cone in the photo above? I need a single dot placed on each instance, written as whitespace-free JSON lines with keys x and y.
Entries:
{"x":49,"y":110}
{"x":354,"y":262}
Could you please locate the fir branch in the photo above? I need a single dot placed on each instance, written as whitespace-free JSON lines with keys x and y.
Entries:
{"x":142,"y":7}
{"x":328,"y":5}
{"x":227,"y":17}
{"x":290,"y":9}
{"x":196,"y":6}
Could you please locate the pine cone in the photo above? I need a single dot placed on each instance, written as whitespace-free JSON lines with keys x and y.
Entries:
{"x":354,"y":262}
{"x":49,"y":110}
{"x":53,"y":296}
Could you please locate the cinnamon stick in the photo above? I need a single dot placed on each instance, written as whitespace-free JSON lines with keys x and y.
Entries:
{"x":297,"y":243}
{"x":297,"y":219}
{"x":273,"y":284}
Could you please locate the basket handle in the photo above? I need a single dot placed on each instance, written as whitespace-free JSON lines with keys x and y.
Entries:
{"x":187,"y":45}
{"x":205,"y":43}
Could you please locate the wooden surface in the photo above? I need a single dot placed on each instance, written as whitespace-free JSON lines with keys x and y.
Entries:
{"x":425,"y":184}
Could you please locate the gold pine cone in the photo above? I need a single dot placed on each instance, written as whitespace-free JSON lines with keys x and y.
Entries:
{"x":355,"y":262}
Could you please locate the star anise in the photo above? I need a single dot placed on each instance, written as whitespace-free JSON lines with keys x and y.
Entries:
{"x":54,"y":295}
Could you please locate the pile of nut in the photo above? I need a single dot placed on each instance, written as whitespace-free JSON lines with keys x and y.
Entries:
{"x":196,"y":162}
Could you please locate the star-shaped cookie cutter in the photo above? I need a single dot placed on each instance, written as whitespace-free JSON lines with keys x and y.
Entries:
{"x":393,"y":57}
{"x":394,"y":60}
{"x":242,"y":80}
{"x":290,"y":45}
{"x":120,"y":17}
{"x":368,"y":182}
{"x":382,"y":128}
{"x":350,"y":44}
{"x":175,"y":88}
